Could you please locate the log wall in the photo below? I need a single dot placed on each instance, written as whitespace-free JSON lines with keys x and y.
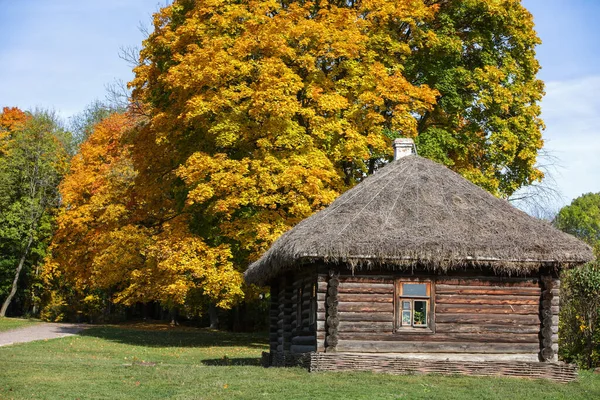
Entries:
{"x":472,"y":315}
{"x":292,"y":328}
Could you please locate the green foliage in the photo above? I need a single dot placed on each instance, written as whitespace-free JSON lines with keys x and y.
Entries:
{"x":34,"y":158}
{"x":579,"y":316}
{"x":580,"y":291}
{"x":485,"y":124}
{"x":582,"y":219}
{"x":82,"y":124}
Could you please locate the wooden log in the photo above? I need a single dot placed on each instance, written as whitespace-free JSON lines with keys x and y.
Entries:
{"x":371,"y":326}
{"x":546,"y":314}
{"x":412,"y":336}
{"x":296,"y":348}
{"x":304,"y":340}
{"x":489,"y":281}
{"x":488,"y":319}
{"x":547,"y":341}
{"x":487,"y":290}
{"x":366,"y":279}
{"x":547,"y":353}
{"x":514,"y":300}
{"x":376,"y":298}
{"x":366,"y":307}
{"x":332,"y":322}
{"x":331,"y":342}
{"x":436,"y":347}
{"x":361,"y":316}
{"x":331,"y":300}
{"x":488,"y":328}
{"x":371,"y":288}
{"x":487,"y":309}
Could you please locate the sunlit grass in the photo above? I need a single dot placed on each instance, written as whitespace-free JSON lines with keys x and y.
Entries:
{"x":158,"y":362}
{"x":7,"y":324}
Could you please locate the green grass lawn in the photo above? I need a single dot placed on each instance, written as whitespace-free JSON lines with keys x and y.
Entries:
{"x":7,"y":324}
{"x":158,"y":362}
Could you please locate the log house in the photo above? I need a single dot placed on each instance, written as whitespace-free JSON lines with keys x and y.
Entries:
{"x":416,"y":269}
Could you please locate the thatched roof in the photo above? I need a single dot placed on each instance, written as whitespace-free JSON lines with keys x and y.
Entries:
{"x":417,"y":212}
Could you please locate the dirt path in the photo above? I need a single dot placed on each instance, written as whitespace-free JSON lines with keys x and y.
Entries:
{"x":39,"y":332}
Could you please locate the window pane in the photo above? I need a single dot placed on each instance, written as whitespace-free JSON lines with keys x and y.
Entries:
{"x":406,"y":318}
{"x":414,"y":289}
{"x":406,"y":305}
{"x":420,"y":313}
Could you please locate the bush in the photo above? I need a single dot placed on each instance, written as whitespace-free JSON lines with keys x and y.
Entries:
{"x":579,"y":335}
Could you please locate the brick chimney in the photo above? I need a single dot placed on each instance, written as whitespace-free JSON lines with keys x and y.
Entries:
{"x":403,"y":147}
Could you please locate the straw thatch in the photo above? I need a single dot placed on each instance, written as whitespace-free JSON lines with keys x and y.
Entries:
{"x":417,"y":212}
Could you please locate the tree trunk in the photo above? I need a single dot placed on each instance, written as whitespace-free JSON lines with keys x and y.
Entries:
{"x":13,"y":291}
{"x":214,"y":317}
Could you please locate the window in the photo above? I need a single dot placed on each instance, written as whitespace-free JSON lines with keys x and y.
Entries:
{"x":413,"y":305}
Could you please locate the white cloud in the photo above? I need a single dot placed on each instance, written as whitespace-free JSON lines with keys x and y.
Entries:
{"x":571,"y":110}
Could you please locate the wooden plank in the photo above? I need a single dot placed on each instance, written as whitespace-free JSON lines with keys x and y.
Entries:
{"x":487,"y":290}
{"x":436,"y":347}
{"x":487,"y":309}
{"x":366,"y":307}
{"x":524,"y":300}
{"x":488,"y":319}
{"x":376,"y":298}
{"x":491,"y":338}
{"x":487,"y":328}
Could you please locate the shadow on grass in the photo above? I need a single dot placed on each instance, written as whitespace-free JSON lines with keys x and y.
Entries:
{"x":227,"y":362}
{"x":176,"y":337}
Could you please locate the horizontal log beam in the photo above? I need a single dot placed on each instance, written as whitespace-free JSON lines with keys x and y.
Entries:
{"x":488,"y":319}
{"x":488,"y":328}
{"x":371,"y":288}
{"x":487,"y":309}
{"x":437,"y":347}
{"x":304,"y":340}
{"x":361,"y":316}
{"x":461,"y":299}
{"x":366,"y":307}
{"x":302,"y":348}
{"x":376,"y":298}
{"x":387,"y":279}
{"x":490,"y":338}
{"x":371,"y":326}
{"x":490,"y":281}
{"x":487,"y":290}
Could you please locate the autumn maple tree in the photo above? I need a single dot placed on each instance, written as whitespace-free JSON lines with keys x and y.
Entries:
{"x":261,"y":112}
{"x":109,"y":249}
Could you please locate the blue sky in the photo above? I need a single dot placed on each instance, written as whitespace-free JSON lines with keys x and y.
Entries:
{"x":61,"y":54}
